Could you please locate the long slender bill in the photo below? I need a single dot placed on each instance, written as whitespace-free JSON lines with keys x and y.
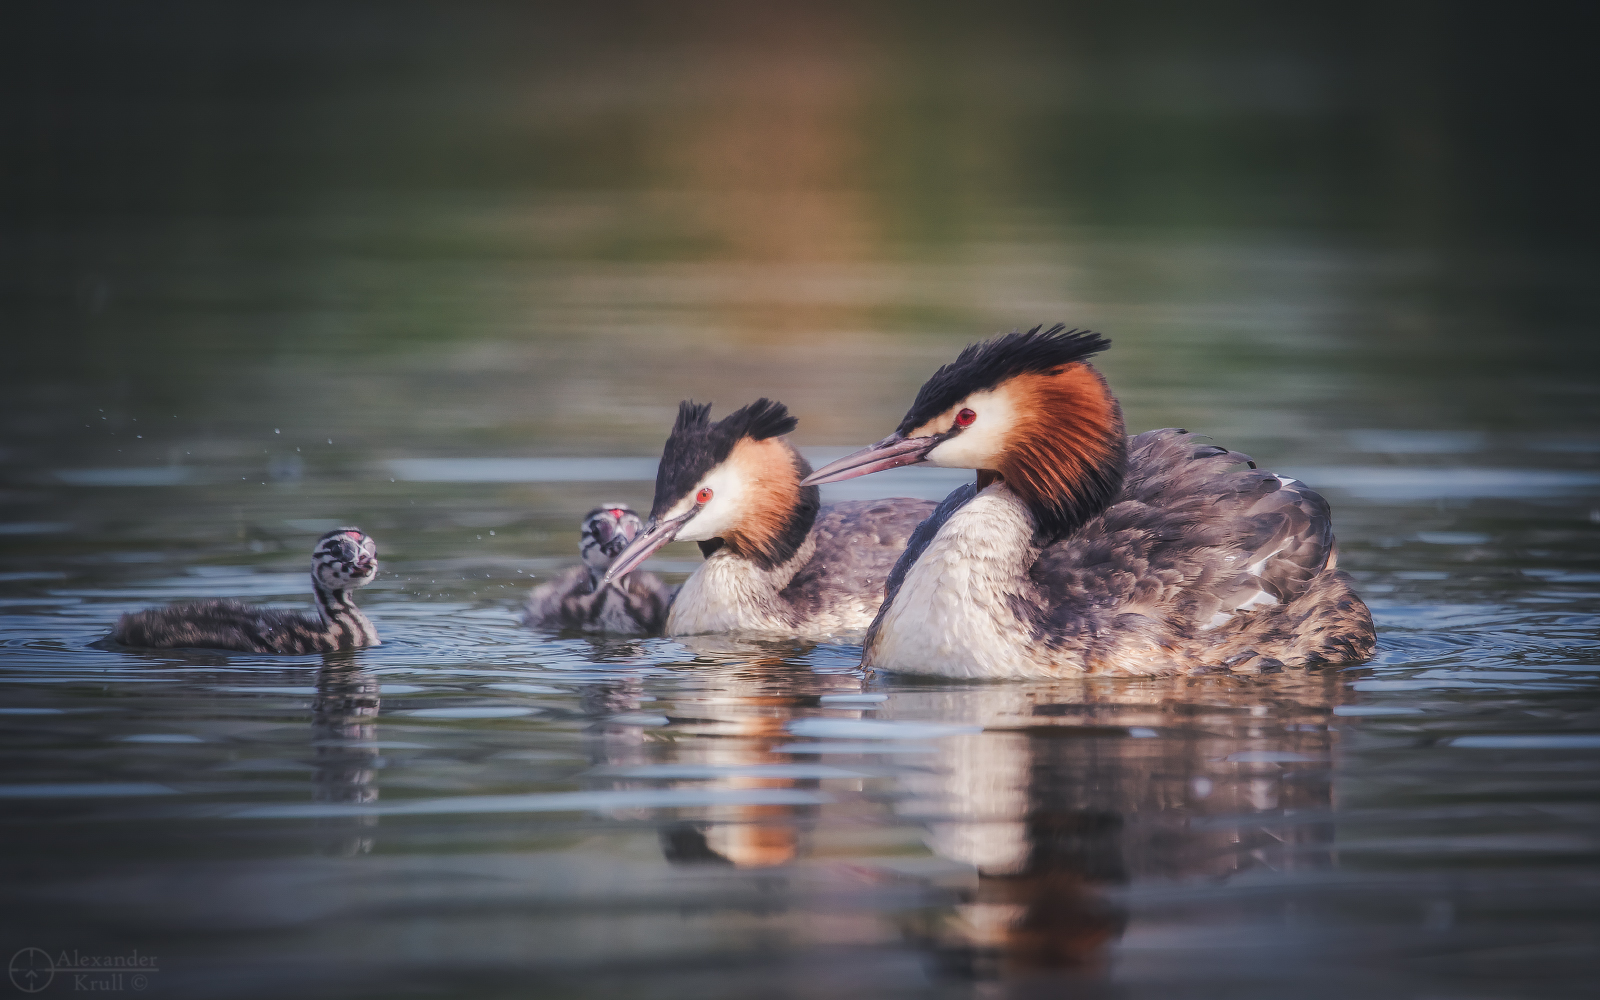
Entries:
{"x":641,"y":547}
{"x":890,"y":453}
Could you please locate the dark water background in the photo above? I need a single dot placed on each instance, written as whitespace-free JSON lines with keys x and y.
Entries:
{"x":443,"y":272}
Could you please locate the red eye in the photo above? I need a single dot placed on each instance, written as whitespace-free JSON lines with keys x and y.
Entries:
{"x":704,"y":496}
{"x":965,"y":418}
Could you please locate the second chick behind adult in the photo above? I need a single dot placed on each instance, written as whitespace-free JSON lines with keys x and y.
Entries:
{"x":577,"y":599}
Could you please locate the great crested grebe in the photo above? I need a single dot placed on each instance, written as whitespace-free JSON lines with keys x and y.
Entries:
{"x":776,"y":559}
{"x":1079,"y":550}
{"x":633,"y":605}
{"x":344,"y":559}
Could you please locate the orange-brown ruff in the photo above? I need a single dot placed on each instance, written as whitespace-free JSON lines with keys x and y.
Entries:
{"x":1081,"y":551}
{"x":1074,"y":429}
{"x":771,"y":478}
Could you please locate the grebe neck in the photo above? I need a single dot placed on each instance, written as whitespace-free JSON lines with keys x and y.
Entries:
{"x":341,"y":616}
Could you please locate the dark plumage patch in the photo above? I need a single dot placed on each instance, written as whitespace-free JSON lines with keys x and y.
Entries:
{"x":569,"y":601}
{"x":1197,"y":530}
{"x":233,"y":626}
{"x":697,"y":445}
{"x":858,"y":542}
{"x":984,"y":366}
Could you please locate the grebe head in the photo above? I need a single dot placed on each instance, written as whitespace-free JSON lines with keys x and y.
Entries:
{"x":1024,"y":407}
{"x":345,"y":558}
{"x":607,"y":530}
{"x":734,"y":482}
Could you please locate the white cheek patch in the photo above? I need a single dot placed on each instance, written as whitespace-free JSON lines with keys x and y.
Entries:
{"x":983,"y":443}
{"x":721,"y":515}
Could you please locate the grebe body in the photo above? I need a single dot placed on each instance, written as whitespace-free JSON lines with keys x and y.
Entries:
{"x":1078,"y":550}
{"x":635,"y":604}
{"x":344,"y":559}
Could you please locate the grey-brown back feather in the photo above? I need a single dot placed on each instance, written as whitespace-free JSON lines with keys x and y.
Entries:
{"x":857,"y":545}
{"x":232,"y":625}
{"x":570,"y":601}
{"x":1191,"y":535}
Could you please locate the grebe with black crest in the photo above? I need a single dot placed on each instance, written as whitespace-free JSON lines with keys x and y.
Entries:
{"x":1080,"y":550}
{"x":777,"y":559}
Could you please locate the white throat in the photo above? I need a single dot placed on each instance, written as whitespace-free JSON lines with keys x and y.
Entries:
{"x":729,"y":592}
{"x":953,"y":615}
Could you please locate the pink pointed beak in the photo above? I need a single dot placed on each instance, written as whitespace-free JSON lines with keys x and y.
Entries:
{"x":642,"y":547}
{"x":892,"y":452}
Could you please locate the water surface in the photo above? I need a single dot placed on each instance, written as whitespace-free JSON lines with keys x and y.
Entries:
{"x":449,"y":283}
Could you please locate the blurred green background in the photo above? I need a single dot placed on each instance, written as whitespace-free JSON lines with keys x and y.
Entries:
{"x":392,"y":230}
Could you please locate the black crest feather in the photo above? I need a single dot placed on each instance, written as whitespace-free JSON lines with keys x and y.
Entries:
{"x":691,"y":415}
{"x":697,"y":444}
{"x":985,"y":365}
{"x":765,"y":418}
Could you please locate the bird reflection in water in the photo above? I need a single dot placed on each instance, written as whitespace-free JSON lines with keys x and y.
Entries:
{"x":1071,"y":794}
{"x":344,"y":726}
{"x":739,"y":722}
{"x":616,"y":706}
{"x":1049,"y":914}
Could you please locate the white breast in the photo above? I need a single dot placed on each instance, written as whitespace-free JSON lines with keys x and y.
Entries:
{"x":729,"y":593}
{"x":725,"y":594}
{"x":952,"y":616}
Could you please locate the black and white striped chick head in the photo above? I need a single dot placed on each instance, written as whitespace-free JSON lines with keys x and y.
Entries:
{"x":607,"y":530}
{"x":344,"y":559}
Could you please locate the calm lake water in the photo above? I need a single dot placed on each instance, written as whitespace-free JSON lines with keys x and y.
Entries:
{"x":416,"y":282}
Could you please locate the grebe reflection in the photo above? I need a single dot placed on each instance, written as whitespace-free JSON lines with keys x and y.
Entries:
{"x":344,"y":727}
{"x":1032,"y":829}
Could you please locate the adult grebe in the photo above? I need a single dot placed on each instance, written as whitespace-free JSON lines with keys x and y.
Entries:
{"x":1079,"y":550}
{"x":776,"y":559}
{"x":634,"y":605}
{"x":344,"y":559}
